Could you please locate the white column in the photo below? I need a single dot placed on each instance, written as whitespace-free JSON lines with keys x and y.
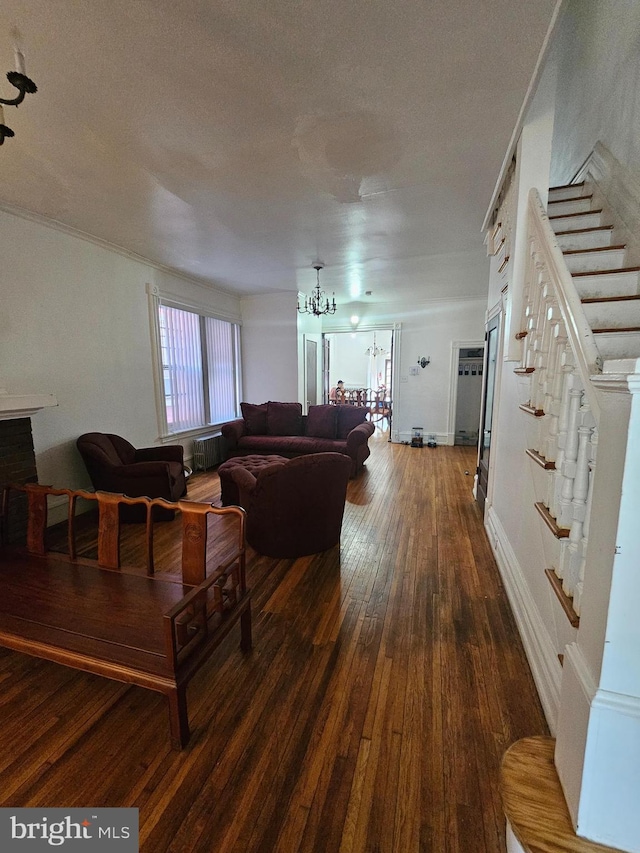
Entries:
{"x":598,"y":737}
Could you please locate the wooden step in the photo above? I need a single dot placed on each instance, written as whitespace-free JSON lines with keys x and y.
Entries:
{"x":576,"y":204}
{"x":621,"y":282}
{"x":612,"y":312}
{"x":610,"y":257}
{"x":618,"y":343}
{"x":566,"y":191}
{"x":570,"y":221}
{"x":585,"y":238}
{"x":552,"y":524}
{"x":566,"y":601}
{"x":534,"y":803}
{"x":540,"y":460}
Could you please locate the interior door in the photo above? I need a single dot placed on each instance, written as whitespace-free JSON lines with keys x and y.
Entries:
{"x":492,"y":338}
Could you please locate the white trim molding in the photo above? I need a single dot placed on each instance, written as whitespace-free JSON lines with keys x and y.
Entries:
{"x":538,"y":644}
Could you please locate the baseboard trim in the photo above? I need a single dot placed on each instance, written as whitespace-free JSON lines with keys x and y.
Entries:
{"x":538,"y":645}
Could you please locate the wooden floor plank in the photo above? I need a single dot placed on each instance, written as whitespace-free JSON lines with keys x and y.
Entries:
{"x":386,"y":681}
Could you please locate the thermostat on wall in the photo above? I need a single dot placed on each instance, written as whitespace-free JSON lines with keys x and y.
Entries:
{"x":413,"y":370}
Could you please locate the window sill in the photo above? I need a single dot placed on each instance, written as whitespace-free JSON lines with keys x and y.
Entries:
{"x":172,"y":437}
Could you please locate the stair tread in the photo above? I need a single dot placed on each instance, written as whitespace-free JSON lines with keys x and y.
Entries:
{"x":591,"y":299}
{"x":596,"y":249}
{"x":614,"y":330}
{"x":566,"y":186}
{"x":614,"y":271}
{"x":566,"y":200}
{"x":585,"y":231}
{"x":573,"y":215}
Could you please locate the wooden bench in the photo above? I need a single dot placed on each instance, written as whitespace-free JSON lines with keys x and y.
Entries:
{"x":131,"y":625}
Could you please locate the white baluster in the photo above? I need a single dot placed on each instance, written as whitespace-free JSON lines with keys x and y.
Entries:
{"x":568,"y":472}
{"x":566,"y":359}
{"x":579,"y":501}
{"x":553,"y":407}
{"x":577,"y":593}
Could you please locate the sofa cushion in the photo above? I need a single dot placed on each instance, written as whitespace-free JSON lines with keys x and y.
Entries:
{"x":322,"y":421}
{"x":284,"y":418}
{"x":288,"y":445}
{"x":255,"y":418}
{"x":349,"y":417}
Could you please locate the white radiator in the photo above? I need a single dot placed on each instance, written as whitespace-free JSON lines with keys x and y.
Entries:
{"x":208,"y":450}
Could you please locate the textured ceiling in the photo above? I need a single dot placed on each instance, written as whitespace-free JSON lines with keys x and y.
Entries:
{"x":238,"y":141}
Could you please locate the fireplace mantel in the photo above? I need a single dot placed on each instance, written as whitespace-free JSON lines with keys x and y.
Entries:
{"x":23,"y":405}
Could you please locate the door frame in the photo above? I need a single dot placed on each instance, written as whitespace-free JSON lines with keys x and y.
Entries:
{"x":395,"y":329}
{"x":496,"y":316}
{"x":456,"y":346}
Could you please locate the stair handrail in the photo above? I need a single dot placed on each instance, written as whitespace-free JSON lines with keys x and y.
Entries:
{"x":587,"y":357}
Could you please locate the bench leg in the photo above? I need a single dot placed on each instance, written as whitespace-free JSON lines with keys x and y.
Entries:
{"x":178,"y":717}
{"x":246,"y":643}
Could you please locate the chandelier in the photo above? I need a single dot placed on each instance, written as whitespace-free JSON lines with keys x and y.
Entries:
{"x":374,"y":351}
{"x":23,"y":84}
{"x":317,"y":302}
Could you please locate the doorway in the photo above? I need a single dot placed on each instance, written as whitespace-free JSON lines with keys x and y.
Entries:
{"x":363,"y":361}
{"x":470,"y":369}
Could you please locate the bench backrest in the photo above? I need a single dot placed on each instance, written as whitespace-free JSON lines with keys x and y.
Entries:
{"x":194,"y":527}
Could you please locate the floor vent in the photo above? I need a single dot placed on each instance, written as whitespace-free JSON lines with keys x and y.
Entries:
{"x":207,"y":451}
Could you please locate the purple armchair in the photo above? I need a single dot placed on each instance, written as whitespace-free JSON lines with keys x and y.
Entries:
{"x":114,"y":465}
{"x":295,"y":507}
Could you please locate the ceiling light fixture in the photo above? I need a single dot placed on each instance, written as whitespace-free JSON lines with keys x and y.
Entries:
{"x":23,"y":84}
{"x":318,"y":302}
{"x":374,"y":351}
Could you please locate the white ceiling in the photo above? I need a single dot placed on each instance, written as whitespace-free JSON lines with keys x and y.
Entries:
{"x":238,"y":140}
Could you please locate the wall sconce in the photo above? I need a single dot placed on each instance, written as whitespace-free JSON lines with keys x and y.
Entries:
{"x":22,"y":83}
{"x":423,"y":362}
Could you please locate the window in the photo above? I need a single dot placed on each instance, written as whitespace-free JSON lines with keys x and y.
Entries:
{"x":199,"y":367}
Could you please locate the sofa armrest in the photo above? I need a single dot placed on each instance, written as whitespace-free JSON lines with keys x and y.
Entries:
{"x":246,"y":483}
{"x":168,"y":453}
{"x":233,"y":431}
{"x":358,"y":436}
{"x":142,"y":470}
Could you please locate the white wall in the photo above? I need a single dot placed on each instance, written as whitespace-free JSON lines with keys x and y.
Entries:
{"x":74,"y":322}
{"x":599,"y":75}
{"x":271,"y":359}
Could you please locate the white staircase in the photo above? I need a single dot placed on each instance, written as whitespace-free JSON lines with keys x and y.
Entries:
{"x":607,"y":283}
{"x":581,"y":319}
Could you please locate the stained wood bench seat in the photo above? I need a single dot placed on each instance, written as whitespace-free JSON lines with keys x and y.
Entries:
{"x":135,"y":627}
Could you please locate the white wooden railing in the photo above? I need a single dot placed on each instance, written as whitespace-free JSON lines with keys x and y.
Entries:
{"x":559,"y":356}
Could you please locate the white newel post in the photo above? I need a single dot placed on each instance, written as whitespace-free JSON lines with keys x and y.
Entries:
{"x":598,"y":737}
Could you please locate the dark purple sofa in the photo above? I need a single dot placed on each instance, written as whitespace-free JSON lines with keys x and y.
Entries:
{"x":295,"y":506}
{"x":281,"y":429}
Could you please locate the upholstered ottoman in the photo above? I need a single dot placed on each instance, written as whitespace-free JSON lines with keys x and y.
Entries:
{"x":229,"y":494}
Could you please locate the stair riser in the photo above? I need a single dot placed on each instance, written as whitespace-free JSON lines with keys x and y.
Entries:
{"x":586,"y":240}
{"x":619,"y":345}
{"x":607,"y":260}
{"x":620,"y":284}
{"x":581,"y":205}
{"x":565,"y":192}
{"x":572,"y":223}
{"x":612,"y":315}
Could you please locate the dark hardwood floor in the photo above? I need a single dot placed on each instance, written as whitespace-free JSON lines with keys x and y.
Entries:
{"x":386,"y":681}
